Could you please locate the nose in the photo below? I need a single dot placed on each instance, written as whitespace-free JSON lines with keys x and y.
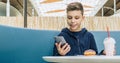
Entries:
{"x":73,"y":20}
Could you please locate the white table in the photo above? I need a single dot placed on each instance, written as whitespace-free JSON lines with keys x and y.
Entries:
{"x":82,"y":59}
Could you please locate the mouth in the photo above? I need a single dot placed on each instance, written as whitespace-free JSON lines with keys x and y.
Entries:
{"x":72,"y":25}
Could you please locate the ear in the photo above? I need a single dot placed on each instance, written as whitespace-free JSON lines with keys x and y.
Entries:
{"x":83,"y":17}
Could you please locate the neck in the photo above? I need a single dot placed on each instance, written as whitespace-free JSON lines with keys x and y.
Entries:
{"x":77,"y":30}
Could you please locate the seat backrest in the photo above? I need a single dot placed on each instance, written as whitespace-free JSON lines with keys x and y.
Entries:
{"x":18,"y":45}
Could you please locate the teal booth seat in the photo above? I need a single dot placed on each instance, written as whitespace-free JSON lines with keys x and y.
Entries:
{"x":20,"y":45}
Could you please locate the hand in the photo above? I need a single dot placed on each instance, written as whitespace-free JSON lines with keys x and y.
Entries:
{"x":64,"y":49}
{"x":104,"y":52}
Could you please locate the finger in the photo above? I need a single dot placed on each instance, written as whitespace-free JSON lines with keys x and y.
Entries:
{"x":65,"y":46}
{"x":56,"y":45}
{"x":59,"y":45}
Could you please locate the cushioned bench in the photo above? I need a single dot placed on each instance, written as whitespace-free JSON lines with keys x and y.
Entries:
{"x":20,"y":45}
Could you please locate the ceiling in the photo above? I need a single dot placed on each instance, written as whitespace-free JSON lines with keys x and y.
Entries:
{"x":109,"y":4}
{"x":13,"y":11}
{"x":18,"y":4}
{"x":57,"y":7}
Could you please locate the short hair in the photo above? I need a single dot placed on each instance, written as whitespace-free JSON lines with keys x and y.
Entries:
{"x":75,"y":6}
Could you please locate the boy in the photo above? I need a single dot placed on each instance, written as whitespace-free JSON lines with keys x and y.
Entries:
{"x":78,"y":39}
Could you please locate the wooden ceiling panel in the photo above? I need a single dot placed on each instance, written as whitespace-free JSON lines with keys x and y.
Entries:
{"x":50,"y":1}
{"x":53,"y":11}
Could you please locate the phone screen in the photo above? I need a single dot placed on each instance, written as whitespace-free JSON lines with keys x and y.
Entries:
{"x":60,"y":39}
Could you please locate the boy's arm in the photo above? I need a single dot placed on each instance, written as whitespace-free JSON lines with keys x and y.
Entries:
{"x":93,"y":44}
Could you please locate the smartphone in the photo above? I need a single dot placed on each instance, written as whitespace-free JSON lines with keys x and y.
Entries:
{"x":60,"y":39}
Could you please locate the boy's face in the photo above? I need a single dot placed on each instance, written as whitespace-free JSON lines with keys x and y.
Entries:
{"x":74,"y":19}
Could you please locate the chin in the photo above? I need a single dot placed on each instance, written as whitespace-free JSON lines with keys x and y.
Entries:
{"x":73,"y":29}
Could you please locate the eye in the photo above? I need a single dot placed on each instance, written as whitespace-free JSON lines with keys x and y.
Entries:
{"x":69,"y":17}
{"x":77,"y":17}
